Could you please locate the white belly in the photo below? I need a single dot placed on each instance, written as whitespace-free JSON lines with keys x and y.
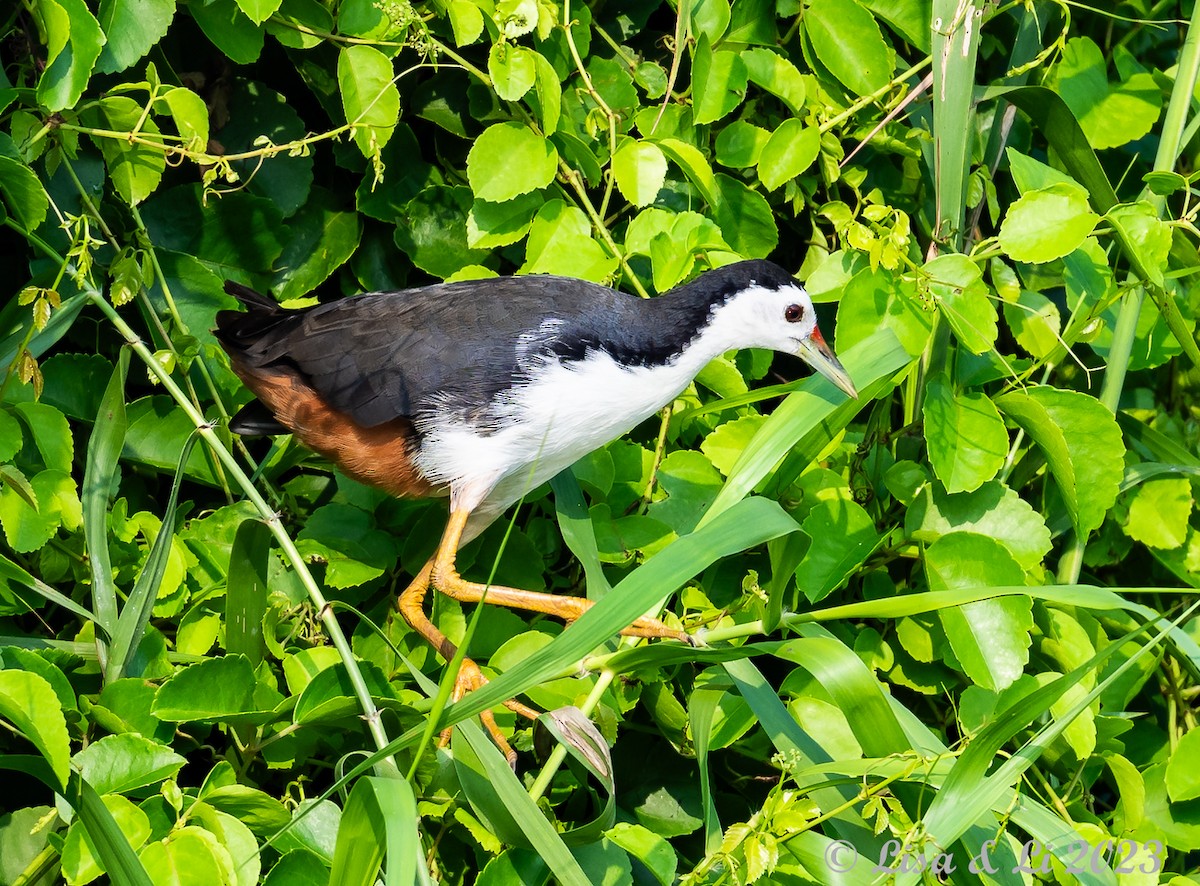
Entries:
{"x":569,"y":410}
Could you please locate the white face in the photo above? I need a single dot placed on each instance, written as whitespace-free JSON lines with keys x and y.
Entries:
{"x":779,"y":319}
{"x":782,"y":320}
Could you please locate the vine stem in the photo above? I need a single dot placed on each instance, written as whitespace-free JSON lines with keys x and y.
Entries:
{"x":1131,"y":308}
{"x":387,"y":765}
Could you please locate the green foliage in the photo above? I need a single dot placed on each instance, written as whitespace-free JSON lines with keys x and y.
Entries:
{"x":947,"y":614}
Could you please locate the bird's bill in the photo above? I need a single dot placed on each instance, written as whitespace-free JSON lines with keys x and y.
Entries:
{"x":815,"y":351}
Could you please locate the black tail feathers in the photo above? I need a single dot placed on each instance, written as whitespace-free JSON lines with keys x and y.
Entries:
{"x":251,"y":299}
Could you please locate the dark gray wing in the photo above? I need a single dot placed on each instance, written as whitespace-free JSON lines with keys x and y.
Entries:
{"x":451,"y":346}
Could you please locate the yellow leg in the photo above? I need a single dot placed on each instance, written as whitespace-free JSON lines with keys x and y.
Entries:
{"x":447,"y":580}
{"x":411,"y":606}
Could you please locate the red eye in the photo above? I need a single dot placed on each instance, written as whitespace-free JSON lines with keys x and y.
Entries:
{"x":794,"y":313}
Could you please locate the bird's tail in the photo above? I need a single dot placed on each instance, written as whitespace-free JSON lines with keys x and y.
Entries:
{"x":242,"y":334}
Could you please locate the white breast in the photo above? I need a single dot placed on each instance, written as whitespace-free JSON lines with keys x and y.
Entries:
{"x":566,"y":411}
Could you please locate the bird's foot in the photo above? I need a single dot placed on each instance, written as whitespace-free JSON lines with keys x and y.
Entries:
{"x":470,"y":678}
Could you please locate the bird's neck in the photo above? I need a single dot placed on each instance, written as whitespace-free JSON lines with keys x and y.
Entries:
{"x":686,"y":316}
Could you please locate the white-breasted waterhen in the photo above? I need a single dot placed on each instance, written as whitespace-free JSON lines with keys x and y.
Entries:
{"x":485,"y":389}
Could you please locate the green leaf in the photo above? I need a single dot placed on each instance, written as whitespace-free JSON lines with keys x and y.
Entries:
{"x":710,"y":18}
{"x":27,"y":529}
{"x":993,"y":510}
{"x":549,"y":94}
{"x":874,"y":299}
{"x":965,"y":435}
{"x":990,"y":638}
{"x":561,"y":242}
{"x":190,"y":114}
{"x":131,"y":28}
{"x":1159,"y":512}
{"x":1182,"y":776}
{"x":369,"y":97}
{"x":956,"y":284}
{"x":746,"y":219}
{"x":1047,"y":223}
{"x":322,"y":239}
{"x":299,"y":867}
{"x":512,"y":69}
{"x":694,"y":165}
{"x":21,"y":840}
{"x":500,"y":224}
{"x":790,"y":150}
{"x":229,"y":29}
{"x":380,"y":816}
{"x":257,"y":112}
{"x":740,"y":144}
{"x":510,"y":159}
{"x":1110,"y":114}
{"x":843,"y":536}
{"x":908,"y":18}
{"x":74,"y":42}
{"x":106,"y":839}
{"x":648,"y":848}
{"x":51,"y":434}
{"x":691,"y":483}
{"x":135,"y":169}
{"x":1035,"y":322}
{"x":297,"y":24}
{"x":776,"y":75}
{"x":155,"y":435}
{"x":246,"y":591}
{"x":1144,"y":233}
{"x":432,"y":231}
{"x":466,"y":20}
{"x":1082,"y":445}
{"x":29,"y":703}
{"x":23,"y":193}
{"x":118,"y":764}
{"x":210,"y":690}
{"x":258,"y":11}
{"x":848,"y":42}
{"x":640,"y":169}
{"x":186,"y":856}
{"x":719,"y":82}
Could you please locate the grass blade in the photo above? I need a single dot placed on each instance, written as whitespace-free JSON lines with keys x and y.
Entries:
{"x":748,"y":523}
{"x":104,"y":448}
{"x":131,"y":626}
{"x":816,"y":404}
{"x":377,"y":807}
{"x":11,"y":572}
{"x":540,"y":833}
{"x":112,"y":849}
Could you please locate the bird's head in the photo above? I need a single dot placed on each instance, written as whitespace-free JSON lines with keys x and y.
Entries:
{"x":766,"y":308}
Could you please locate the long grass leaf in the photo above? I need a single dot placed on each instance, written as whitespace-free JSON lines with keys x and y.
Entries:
{"x":111,"y":847}
{"x":872,"y":363}
{"x":578,"y":532}
{"x":380,"y":817}
{"x":539,"y":832}
{"x":749,"y":523}
{"x":104,"y":449}
{"x":970,"y":792}
{"x":955,"y":47}
{"x":131,"y":625}
{"x":801,"y":749}
{"x":11,"y":572}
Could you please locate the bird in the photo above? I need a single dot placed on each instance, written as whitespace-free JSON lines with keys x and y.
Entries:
{"x":482,"y":390}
